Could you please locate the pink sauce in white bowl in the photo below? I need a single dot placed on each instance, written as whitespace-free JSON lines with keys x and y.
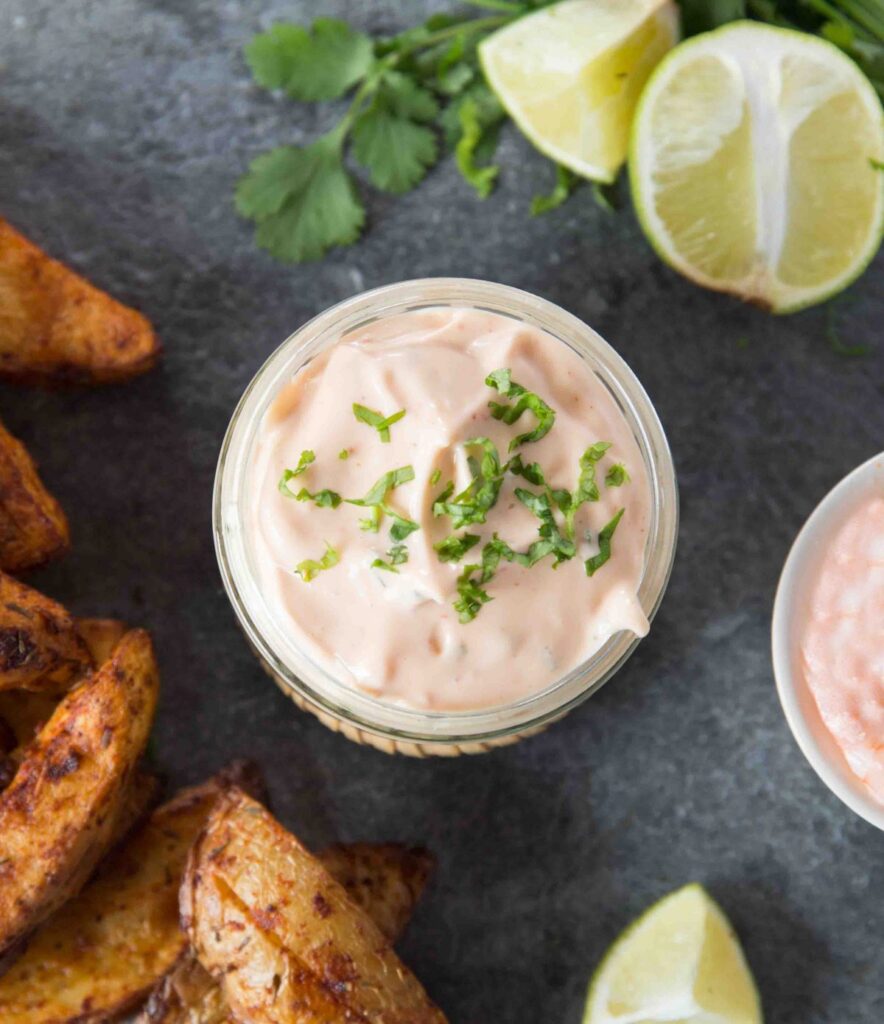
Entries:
{"x":828,"y":640}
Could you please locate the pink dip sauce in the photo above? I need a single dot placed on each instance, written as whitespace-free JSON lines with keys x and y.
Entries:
{"x":396,"y":635}
{"x":842,"y":642}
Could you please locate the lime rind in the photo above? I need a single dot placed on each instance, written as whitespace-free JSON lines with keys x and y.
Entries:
{"x":762,"y":289}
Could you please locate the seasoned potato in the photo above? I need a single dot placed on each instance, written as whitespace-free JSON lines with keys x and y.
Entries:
{"x":385,"y":879}
{"x":25,"y":713}
{"x":103,"y":951}
{"x":55,"y":326}
{"x":101,"y":636}
{"x":33,"y":527}
{"x":61,"y":811}
{"x":284,"y":939}
{"x":40,"y":646}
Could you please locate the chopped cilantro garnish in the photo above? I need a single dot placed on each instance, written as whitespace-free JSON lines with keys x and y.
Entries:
{"x":397,"y":555}
{"x":452,"y":549}
{"x":471,"y":595}
{"x":435,"y":476}
{"x":503,"y":381}
{"x":617,"y":475}
{"x":344,"y":454}
{"x":307,"y":457}
{"x":587,"y":488}
{"x":376,"y":500}
{"x":322,"y":499}
{"x":377,"y":420}
{"x":607,"y":532}
{"x":472,"y":504}
{"x":561,"y":546}
{"x":310,"y":568}
{"x":532,"y":473}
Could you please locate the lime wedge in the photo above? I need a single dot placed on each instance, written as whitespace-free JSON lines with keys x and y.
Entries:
{"x":752,"y":165}
{"x":570,"y":76}
{"x":680,"y":962}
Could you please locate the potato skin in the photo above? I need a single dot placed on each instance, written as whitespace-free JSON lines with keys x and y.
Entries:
{"x":385,"y":879}
{"x":101,"y":636}
{"x":33,"y":527}
{"x":287,"y":943}
{"x":40,"y":646}
{"x":55,"y":327}
{"x":61,"y":811}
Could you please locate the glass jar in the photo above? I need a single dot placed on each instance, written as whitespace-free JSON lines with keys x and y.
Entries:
{"x":364,"y":718}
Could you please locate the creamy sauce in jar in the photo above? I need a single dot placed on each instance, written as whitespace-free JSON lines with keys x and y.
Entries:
{"x":397,"y":635}
{"x":842,"y":641}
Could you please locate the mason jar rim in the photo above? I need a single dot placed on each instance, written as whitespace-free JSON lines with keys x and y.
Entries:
{"x":330,"y":697}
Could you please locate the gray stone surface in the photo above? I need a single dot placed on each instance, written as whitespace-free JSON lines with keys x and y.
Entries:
{"x":123,"y":126}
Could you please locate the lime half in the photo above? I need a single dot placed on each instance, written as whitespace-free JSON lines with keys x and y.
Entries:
{"x":754,"y":165}
{"x":680,"y":962}
{"x":571,"y":74}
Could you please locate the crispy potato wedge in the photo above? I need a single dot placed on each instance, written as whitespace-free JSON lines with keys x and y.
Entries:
{"x":103,"y":951}
{"x":60,"y":812}
{"x":25,"y":712}
{"x":284,"y":939}
{"x":56,"y":327}
{"x":33,"y":527}
{"x":101,"y":636}
{"x":40,"y":646}
{"x":385,"y":879}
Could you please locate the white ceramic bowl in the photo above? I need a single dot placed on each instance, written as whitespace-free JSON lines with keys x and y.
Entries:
{"x":800,"y":708}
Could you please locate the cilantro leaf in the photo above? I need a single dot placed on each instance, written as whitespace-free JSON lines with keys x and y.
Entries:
{"x":317,"y":64}
{"x":566,"y":182}
{"x":435,"y":476}
{"x":532,"y":472}
{"x":306,"y":459}
{"x":617,"y":475}
{"x":471,"y":595}
{"x":377,"y":420}
{"x":389,"y":138}
{"x":322,"y":499}
{"x":607,"y":532}
{"x":502,"y":380}
{"x":452,"y":549}
{"x":344,"y":454}
{"x":587,"y":487}
{"x":376,"y":501}
{"x":302,"y":200}
{"x":539,"y":504}
{"x":477,"y":126}
{"x":310,"y":568}
{"x":472,"y":504}
{"x":397,"y":555}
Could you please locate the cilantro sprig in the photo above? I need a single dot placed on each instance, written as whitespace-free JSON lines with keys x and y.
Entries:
{"x":397,"y":555}
{"x":421,"y":92}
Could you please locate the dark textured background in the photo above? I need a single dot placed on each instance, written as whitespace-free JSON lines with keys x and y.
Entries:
{"x":123,"y":126}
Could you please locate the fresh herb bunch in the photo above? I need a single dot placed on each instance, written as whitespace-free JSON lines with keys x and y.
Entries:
{"x":420,"y":93}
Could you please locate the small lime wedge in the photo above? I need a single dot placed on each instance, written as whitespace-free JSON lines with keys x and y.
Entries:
{"x":570,"y":76}
{"x":680,"y":962}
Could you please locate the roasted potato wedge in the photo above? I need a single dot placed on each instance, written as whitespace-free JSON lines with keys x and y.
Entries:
{"x":103,"y":951}
{"x":385,"y":879}
{"x":40,"y":646}
{"x":101,"y":636}
{"x":56,"y":327}
{"x":62,"y":809}
{"x":33,"y":527}
{"x":284,"y":939}
{"x":25,"y":713}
